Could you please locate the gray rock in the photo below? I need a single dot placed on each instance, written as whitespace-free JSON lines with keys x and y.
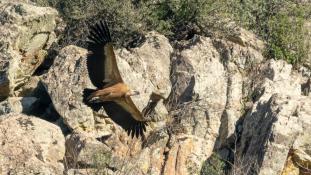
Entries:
{"x":143,"y":69}
{"x":65,"y":83}
{"x":277,"y":122}
{"x":147,"y":69}
{"x":30,"y":146}
{"x":26,"y":32}
{"x":199,"y":99}
{"x":17,"y":105}
{"x":82,"y":150}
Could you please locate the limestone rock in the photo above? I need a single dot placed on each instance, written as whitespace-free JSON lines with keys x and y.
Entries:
{"x":26,"y":32}
{"x":17,"y":105}
{"x":147,"y":69}
{"x":65,"y":83}
{"x":278,"y":121}
{"x":81,"y":150}
{"x":206,"y":84}
{"x":240,"y":56}
{"x":207,"y":80}
{"x":30,"y":146}
{"x":143,"y":69}
{"x":247,"y":39}
{"x":199,"y":78}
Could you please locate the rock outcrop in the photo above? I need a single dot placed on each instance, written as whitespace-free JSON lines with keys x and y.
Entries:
{"x":145,"y":69}
{"x":30,"y":145}
{"x":26,"y":34}
{"x":278,"y":125}
{"x":17,"y":105}
{"x":198,"y":99}
{"x":220,"y":95}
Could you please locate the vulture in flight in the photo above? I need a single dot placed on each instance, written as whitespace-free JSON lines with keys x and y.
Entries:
{"x":111,"y":93}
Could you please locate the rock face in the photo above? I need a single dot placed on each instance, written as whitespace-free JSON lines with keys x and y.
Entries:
{"x":30,"y":145}
{"x":221,"y":95}
{"x":147,"y":69}
{"x":17,"y":105}
{"x":200,"y":118}
{"x":278,"y":125}
{"x":199,"y":98}
{"x":143,"y":69}
{"x":26,"y":32}
{"x":70,"y":70}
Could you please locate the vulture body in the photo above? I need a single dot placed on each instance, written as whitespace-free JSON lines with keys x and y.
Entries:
{"x":111,"y":93}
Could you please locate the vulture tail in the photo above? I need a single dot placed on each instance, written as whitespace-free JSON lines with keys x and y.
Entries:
{"x":99,"y":33}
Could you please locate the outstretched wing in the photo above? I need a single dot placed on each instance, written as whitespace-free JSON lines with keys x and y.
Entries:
{"x":119,"y":115}
{"x":101,"y":61}
{"x":129,"y":106}
{"x":123,"y":118}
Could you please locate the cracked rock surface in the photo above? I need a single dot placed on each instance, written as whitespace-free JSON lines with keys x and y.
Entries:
{"x":26,"y":34}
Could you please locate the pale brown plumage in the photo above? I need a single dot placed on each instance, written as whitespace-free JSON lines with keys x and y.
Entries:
{"x":111,"y":93}
{"x":105,"y":75}
{"x":121,"y":94}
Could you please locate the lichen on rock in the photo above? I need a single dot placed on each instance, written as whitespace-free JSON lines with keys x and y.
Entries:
{"x":26,"y":32}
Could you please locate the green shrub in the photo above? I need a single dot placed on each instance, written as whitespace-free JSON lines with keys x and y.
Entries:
{"x":279,"y":22}
{"x":179,"y":18}
{"x":213,"y":166}
{"x":123,"y":19}
{"x":287,"y":37}
{"x":101,"y":161}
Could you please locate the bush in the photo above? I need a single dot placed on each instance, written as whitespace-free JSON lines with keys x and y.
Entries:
{"x":213,"y":166}
{"x":287,"y":37}
{"x":180,"y":19}
{"x":123,"y":19}
{"x":280,"y":23}
{"x":129,"y":19}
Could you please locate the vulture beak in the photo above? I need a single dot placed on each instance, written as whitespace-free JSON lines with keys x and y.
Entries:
{"x":133,"y":93}
{"x":93,"y":99}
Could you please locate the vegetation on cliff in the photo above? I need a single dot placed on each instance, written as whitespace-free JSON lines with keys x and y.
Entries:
{"x":279,"y":22}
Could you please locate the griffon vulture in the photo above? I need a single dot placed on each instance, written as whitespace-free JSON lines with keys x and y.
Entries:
{"x":112,"y":93}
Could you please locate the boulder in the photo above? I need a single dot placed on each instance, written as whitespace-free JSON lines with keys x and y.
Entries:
{"x":17,"y":105}
{"x":278,"y":123}
{"x":240,"y":54}
{"x":206,"y":86}
{"x":26,"y":32}
{"x":30,"y":145}
{"x":65,"y":82}
{"x":145,"y":69}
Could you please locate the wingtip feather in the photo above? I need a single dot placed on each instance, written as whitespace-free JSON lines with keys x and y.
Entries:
{"x":99,"y":33}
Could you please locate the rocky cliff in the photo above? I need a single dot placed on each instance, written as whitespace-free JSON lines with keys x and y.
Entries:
{"x":222,"y":97}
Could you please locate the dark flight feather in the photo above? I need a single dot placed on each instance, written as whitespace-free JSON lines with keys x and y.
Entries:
{"x":124,"y":119}
{"x":99,"y":36}
{"x":118,"y":115}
